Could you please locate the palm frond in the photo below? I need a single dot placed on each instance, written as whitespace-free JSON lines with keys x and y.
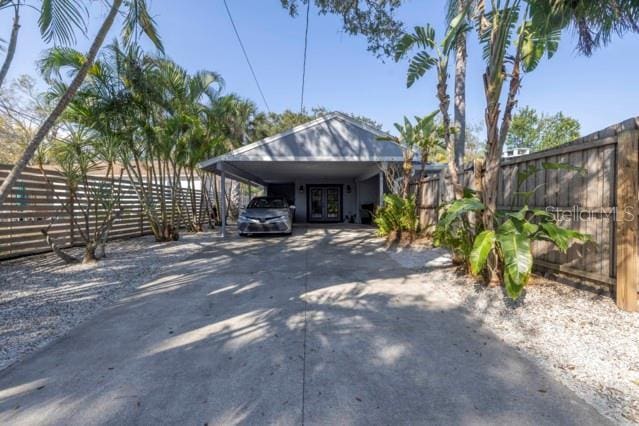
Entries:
{"x":56,"y":59}
{"x":59,"y":19}
{"x":138,"y":20}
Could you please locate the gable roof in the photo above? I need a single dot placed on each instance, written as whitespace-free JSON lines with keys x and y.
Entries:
{"x":332,"y":137}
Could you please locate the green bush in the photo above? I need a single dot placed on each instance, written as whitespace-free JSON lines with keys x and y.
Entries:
{"x":456,"y":230}
{"x":397,"y":217}
{"x":510,"y":238}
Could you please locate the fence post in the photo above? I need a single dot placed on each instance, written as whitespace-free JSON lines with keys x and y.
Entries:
{"x":627,"y":220}
{"x":71,"y":218}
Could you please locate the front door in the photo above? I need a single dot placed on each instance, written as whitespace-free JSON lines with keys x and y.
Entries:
{"x":325,"y":203}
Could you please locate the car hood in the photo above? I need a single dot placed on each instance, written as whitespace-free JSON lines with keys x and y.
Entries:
{"x":265,"y":213}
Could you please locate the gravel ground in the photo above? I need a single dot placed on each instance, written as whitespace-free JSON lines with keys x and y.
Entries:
{"x":41,"y":298}
{"x":578,"y":335}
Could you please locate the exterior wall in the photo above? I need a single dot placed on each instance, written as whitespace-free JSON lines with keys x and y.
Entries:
{"x":369,"y":193}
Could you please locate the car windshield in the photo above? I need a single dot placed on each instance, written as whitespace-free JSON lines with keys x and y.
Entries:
{"x":267,"y":203}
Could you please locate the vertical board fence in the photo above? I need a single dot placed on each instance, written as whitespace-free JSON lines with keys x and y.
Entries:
{"x":36,"y":204}
{"x":601,"y":199}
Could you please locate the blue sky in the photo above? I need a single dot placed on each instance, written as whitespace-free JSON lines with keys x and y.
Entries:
{"x":342,"y":75}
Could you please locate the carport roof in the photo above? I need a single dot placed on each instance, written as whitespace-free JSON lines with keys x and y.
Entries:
{"x":333,"y":138}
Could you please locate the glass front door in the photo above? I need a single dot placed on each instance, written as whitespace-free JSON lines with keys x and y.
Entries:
{"x":325,"y":204}
{"x":317,"y":204}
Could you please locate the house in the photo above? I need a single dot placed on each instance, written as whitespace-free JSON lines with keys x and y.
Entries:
{"x":510,"y":152}
{"x":328,"y":168}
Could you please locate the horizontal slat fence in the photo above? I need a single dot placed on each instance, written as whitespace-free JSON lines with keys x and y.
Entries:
{"x":586,"y":201}
{"x":34,"y":204}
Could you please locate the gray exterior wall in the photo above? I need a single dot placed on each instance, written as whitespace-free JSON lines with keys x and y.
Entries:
{"x":369,"y":193}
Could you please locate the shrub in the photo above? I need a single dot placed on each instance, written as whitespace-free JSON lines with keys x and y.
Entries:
{"x":456,"y":229}
{"x":510,"y":240}
{"x":397,"y":218}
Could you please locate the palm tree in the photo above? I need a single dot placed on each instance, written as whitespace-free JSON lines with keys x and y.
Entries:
{"x":161,"y":117}
{"x":13,"y":38}
{"x":58,"y":21}
{"x":137,"y":19}
{"x":424,"y":39}
{"x":411,"y":136}
{"x":457,"y":10}
{"x":78,"y":155}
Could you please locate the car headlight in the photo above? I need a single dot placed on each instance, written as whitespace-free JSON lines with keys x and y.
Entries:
{"x":282,"y":218}
{"x":245,"y":218}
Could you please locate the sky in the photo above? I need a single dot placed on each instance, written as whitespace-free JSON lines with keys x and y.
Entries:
{"x":342,"y":75}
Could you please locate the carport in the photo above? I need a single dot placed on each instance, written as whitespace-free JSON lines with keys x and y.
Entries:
{"x":328,"y":168}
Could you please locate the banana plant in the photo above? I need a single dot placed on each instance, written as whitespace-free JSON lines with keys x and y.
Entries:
{"x":509,"y":239}
{"x":456,"y":231}
{"x":430,"y":137}
{"x":408,"y":136}
{"x":512,"y":240}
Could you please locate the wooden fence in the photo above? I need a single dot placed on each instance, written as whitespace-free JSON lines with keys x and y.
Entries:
{"x":35,"y":204}
{"x":601,"y":200}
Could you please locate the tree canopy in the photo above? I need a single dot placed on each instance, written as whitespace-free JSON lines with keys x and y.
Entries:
{"x":265,"y":125}
{"x":374,"y":19}
{"x":530,"y":129}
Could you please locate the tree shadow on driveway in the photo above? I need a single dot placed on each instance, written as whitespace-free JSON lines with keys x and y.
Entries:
{"x":319,"y":328}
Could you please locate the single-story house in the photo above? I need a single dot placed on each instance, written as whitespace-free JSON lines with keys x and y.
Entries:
{"x":328,"y":168}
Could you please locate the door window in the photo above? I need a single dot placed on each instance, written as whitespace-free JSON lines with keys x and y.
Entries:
{"x":317,"y":210}
{"x":324,"y":204}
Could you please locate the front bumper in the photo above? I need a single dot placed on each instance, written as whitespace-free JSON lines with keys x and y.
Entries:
{"x":252,"y":227}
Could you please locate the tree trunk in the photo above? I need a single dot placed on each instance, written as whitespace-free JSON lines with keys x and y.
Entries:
{"x":460,"y":97}
{"x":444,"y":103}
{"x":66,"y":258}
{"x":496,"y":137}
{"x":408,"y":171}
{"x":422,"y":174}
{"x":44,"y":129}
{"x":89,"y":253}
{"x":13,"y":41}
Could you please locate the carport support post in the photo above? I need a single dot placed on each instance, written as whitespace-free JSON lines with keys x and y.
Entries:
{"x":381,"y":189}
{"x":357,"y":201}
{"x":223,"y":203}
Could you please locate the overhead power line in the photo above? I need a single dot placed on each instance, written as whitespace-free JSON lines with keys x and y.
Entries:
{"x":248,"y":61}
{"x":308,"y":8}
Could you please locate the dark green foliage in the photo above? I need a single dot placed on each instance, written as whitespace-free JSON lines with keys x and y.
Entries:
{"x":511,"y":239}
{"x":456,"y":231}
{"x":397,"y":217}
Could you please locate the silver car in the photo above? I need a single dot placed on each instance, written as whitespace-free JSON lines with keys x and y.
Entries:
{"x":266,"y":215}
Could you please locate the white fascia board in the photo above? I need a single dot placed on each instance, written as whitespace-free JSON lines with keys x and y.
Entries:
{"x":317,"y":159}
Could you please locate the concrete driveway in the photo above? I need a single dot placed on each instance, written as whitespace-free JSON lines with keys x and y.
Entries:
{"x":318,"y":328}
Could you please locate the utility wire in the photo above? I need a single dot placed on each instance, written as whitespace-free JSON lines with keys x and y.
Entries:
{"x":248,"y":61}
{"x":308,"y":8}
